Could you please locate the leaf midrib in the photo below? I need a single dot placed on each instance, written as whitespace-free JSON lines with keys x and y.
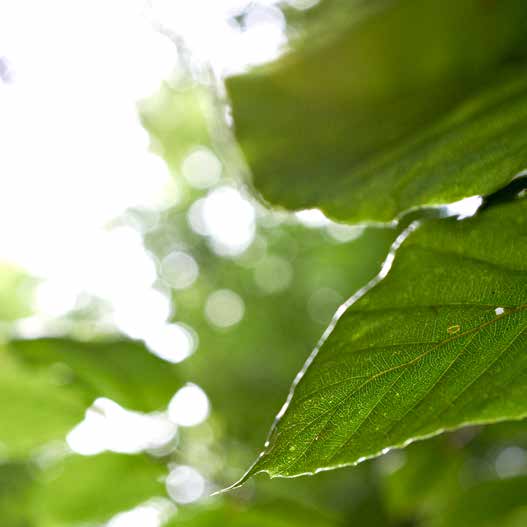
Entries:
{"x":436,"y":345}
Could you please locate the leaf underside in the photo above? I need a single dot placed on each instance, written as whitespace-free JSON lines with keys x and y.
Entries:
{"x":439,"y":343}
{"x":420,"y":103}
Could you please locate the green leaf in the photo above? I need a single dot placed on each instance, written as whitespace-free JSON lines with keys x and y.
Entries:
{"x":438,"y":344}
{"x":35,"y":409}
{"x":82,"y":489}
{"x":122,"y":370}
{"x":418,"y":103}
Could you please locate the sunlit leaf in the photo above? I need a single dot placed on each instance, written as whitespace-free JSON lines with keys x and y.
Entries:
{"x":417,"y":103}
{"x":122,"y":370}
{"x":438,"y":344}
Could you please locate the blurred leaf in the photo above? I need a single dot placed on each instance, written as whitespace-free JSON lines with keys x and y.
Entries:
{"x":352,"y":494}
{"x":417,"y":103}
{"x":88,"y":489}
{"x":15,"y":482}
{"x":438,"y":344}
{"x":122,"y":370}
{"x":415,"y":484}
{"x":492,"y":503}
{"x":15,"y":289}
{"x":272,"y":514}
{"x":177,"y":119}
{"x":35,"y":409}
{"x":419,"y":489}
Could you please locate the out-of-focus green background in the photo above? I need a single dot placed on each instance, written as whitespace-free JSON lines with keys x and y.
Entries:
{"x":142,"y":363}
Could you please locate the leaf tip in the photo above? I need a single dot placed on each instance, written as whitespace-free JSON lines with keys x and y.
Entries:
{"x":246,"y":476}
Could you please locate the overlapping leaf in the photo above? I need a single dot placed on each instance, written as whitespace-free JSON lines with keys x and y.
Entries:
{"x":439,"y":343}
{"x":418,"y":103}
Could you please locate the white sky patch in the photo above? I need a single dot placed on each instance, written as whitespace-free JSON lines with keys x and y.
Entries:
{"x":464,"y":208}
{"x":114,"y":260}
{"x":143,"y":314}
{"x":54,"y":298}
{"x":312,"y":218}
{"x":189,"y":406}
{"x":216,"y":38}
{"x":108,"y":426}
{"x":73,"y":150}
{"x":74,"y":153}
{"x":172,"y":342}
{"x":227,"y":218}
{"x":111,"y":265}
{"x":153,"y":513}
